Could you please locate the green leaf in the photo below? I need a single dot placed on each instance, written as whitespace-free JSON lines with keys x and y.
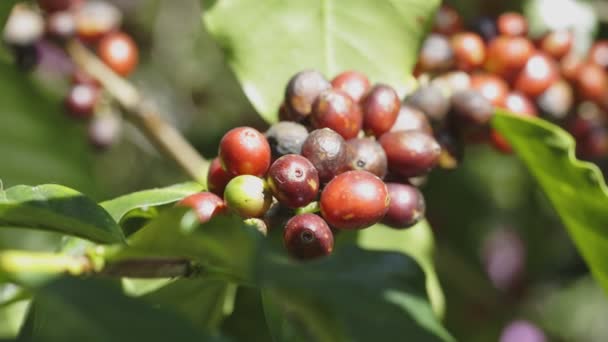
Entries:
{"x":57,"y":208}
{"x":121,"y":206}
{"x":87,"y":310}
{"x":576,"y":189}
{"x":416,"y":242}
{"x":247,"y":322}
{"x":268,"y":41}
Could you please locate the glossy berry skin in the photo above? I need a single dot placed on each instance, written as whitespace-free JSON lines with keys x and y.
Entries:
{"x":469,"y":50}
{"x":368,"y":155}
{"x":406,"y":208}
{"x":435,"y":54}
{"x":293,"y":180}
{"x":353,"y":83}
{"x":512,"y":24}
{"x":286,"y":138}
{"x":558,"y":43}
{"x":81,"y":100}
{"x":539,"y":73}
{"x":206,"y":205}
{"x":410,"y":153}
{"x":302,"y":90}
{"x":518,"y":103}
{"x":506,"y":56}
{"x":447,"y":21}
{"x":411,"y":119}
{"x":471,"y":115}
{"x":491,"y":87}
{"x":336,"y":110}
{"x":248,"y":196}
{"x":431,"y":101}
{"x":598,"y":54}
{"x":452,"y":150}
{"x":327,"y":151}
{"x":119,"y":52}
{"x":380,"y":108}
{"x":591,"y":82}
{"x":570,"y":66}
{"x":244,"y":151}
{"x":95,"y":19}
{"x":354,"y":200}
{"x":556,"y":102}
{"x":217,"y":177}
{"x":307,"y":236}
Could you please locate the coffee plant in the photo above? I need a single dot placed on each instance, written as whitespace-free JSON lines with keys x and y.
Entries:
{"x":312,"y":223}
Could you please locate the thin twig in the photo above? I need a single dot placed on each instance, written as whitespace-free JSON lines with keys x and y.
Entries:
{"x":165,"y":137}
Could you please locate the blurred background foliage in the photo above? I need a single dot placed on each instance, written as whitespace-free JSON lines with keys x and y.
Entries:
{"x":502,"y":253}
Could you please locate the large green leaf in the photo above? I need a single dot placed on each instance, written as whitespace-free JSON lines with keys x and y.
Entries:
{"x":268,"y":41}
{"x":576,"y":189}
{"x":57,"y":208}
{"x":86,"y":310}
{"x":121,"y":206}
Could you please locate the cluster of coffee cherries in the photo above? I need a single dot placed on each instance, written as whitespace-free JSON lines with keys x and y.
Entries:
{"x":35,"y":31}
{"x":497,"y":59}
{"x":326,"y":161}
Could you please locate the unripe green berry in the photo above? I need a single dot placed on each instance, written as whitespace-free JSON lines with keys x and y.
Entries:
{"x":248,"y":196}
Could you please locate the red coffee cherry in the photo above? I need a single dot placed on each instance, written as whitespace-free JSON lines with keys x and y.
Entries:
{"x":61,"y":25}
{"x":598,"y":54}
{"x":307,"y":236}
{"x":469,"y":50}
{"x":205,"y":204}
{"x":336,"y":110}
{"x":506,"y":56}
{"x":293,"y":180}
{"x":411,"y":119}
{"x":244,"y":151}
{"x":558,"y":43}
{"x":81,"y":100}
{"x":119,"y":52}
{"x":518,"y":103}
{"x":556,"y":102}
{"x":512,"y":24}
{"x":570,"y":66}
{"x":302,"y":90}
{"x":327,"y":151}
{"x":435,"y":54}
{"x":366,"y":154}
{"x":591,"y":82}
{"x":217,"y":177}
{"x":248,"y":196}
{"x":95,"y":19}
{"x":380,"y":108}
{"x":406,"y":208}
{"x":354,"y":200}
{"x":537,"y":76}
{"x":491,"y":87}
{"x":471,"y":115}
{"x":353,"y":83}
{"x":447,"y":21}
{"x":410,"y":153}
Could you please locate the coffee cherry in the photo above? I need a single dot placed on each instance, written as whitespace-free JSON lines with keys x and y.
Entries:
{"x":353,"y":83}
{"x":366,"y":154}
{"x":244,"y":151}
{"x":435,"y":54}
{"x":81,"y":100}
{"x":217,"y":177}
{"x":24,"y":27}
{"x":302,"y":90}
{"x":354,"y":200}
{"x":431,"y":101}
{"x":307,"y":236}
{"x":452,"y":150}
{"x":537,"y":76}
{"x":518,"y":103}
{"x":570,"y":66}
{"x":556,"y":102}
{"x":410,"y":153}
{"x":469,"y":50}
{"x":119,"y":52}
{"x":293,"y":180}
{"x":380,"y":108}
{"x":55,"y":5}
{"x":104,"y":130}
{"x":61,"y":25}
{"x":591,"y":82}
{"x":327,"y":151}
{"x":491,"y":87}
{"x":593,"y":145}
{"x":447,"y":21}
{"x":558,"y":43}
{"x":248,"y":196}
{"x":258,"y":224}
{"x":411,"y":119}
{"x":406,"y":207}
{"x":452,"y":82}
{"x":512,"y":24}
{"x":506,"y":56}
{"x":205,"y":204}
{"x":485,"y":27}
{"x":471,"y":115}
{"x":336,"y":110}
{"x":598,"y":54}
{"x":95,"y":19}
{"x":587,"y":116}
{"x":286,"y":138}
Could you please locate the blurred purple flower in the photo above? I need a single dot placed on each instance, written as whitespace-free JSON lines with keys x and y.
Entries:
{"x":504,"y":256}
{"x":522,"y":331}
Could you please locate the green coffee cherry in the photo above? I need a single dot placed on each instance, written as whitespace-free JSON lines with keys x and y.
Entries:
{"x":248,"y":196}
